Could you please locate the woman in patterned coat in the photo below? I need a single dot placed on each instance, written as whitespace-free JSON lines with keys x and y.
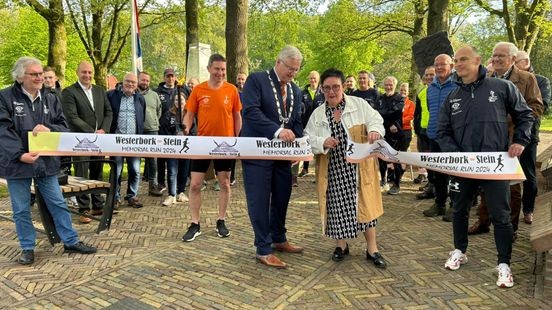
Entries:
{"x":349,"y":195}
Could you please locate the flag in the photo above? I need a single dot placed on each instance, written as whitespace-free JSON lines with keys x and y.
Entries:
{"x":135,"y":34}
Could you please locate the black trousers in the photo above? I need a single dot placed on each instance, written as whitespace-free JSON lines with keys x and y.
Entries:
{"x":497,"y":197}
{"x":439,"y":180}
{"x":92,"y":171}
{"x":528,"y":161}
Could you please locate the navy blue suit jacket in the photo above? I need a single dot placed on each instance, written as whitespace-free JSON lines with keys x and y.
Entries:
{"x":260,"y":114}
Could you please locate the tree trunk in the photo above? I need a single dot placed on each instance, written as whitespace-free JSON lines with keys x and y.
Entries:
{"x":236,"y":38}
{"x":417,"y":34}
{"x":437,"y":16}
{"x":57,"y":45}
{"x":100,"y":75}
{"x":192,"y":25}
{"x":523,"y":24}
{"x":57,"y":48}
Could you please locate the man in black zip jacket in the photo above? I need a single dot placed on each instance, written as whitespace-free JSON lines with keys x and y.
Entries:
{"x":473,"y":118}
{"x":25,"y":107}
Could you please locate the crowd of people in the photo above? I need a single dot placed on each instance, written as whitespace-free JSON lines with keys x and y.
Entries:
{"x":463,"y":107}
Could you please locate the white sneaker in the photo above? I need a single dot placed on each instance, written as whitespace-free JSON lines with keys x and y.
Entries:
{"x":456,"y":259}
{"x":182,"y":197}
{"x":505,"y":278}
{"x":169,"y":201}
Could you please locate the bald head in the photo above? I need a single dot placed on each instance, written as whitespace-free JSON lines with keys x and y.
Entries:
{"x":467,"y":61}
{"x":85,"y":73}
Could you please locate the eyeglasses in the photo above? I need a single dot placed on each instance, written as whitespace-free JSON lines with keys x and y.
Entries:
{"x":290,"y":68}
{"x":35,"y":74}
{"x":500,"y":56}
{"x":130,"y":82}
{"x":335,"y":88}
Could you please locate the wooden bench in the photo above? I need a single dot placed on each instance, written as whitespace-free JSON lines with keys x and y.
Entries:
{"x":74,"y":187}
{"x":541,"y":229}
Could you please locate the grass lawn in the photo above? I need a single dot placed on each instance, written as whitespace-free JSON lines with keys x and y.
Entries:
{"x":546,"y":123}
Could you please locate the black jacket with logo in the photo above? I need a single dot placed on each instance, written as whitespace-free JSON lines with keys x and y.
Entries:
{"x":474,"y":117}
{"x":18,"y":116}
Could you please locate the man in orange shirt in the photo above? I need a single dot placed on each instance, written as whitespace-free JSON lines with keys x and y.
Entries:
{"x":216,"y":105}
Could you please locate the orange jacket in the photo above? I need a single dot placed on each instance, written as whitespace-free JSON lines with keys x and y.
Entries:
{"x":408,"y":114}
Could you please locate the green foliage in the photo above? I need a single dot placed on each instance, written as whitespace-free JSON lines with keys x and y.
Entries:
{"x":269,"y":32}
{"x":541,"y":55}
{"x":26,"y":34}
{"x":164,"y":42}
{"x":332,"y":46}
{"x":484,"y":35}
{"x":351,"y":35}
{"x":546,"y":123}
{"x":3,"y":191}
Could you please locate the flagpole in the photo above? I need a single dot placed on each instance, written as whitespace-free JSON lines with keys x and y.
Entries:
{"x":133,"y":36}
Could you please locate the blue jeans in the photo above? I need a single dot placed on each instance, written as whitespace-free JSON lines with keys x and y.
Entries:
{"x":20,"y":196}
{"x":172,"y":172}
{"x":151,"y":165}
{"x":133,"y":169}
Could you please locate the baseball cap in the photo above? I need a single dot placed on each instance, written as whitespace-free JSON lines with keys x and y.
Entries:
{"x":168,"y":71}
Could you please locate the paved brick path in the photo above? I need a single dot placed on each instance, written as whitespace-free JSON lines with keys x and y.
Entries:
{"x":142,"y":264}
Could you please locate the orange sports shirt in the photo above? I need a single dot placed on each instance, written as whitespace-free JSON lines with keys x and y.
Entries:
{"x":214,"y":109}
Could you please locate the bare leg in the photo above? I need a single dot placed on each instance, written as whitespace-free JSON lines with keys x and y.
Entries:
{"x":224,"y":194}
{"x":370,"y":236}
{"x":341,"y":243}
{"x":195,"y":195}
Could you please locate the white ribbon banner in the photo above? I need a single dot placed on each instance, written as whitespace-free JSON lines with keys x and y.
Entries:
{"x":83,"y":144}
{"x":485,"y":165}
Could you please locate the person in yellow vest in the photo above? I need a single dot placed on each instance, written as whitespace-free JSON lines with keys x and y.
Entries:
{"x":421,"y":119}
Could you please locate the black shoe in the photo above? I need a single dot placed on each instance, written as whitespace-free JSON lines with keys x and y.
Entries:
{"x":447,"y":217}
{"x":79,"y":247}
{"x":426,"y":195}
{"x":420,"y":178}
{"x":394,"y":190}
{"x":154,"y":191}
{"x":434,"y":210}
{"x":378,"y":260}
{"x":192,"y":233}
{"x":221,"y":229}
{"x":339,"y":253}
{"x":26,"y":258}
{"x":135,"y":203}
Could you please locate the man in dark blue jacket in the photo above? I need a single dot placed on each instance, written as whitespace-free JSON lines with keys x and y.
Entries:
{"x":437,"y":91}
{"x":25,"y":108}
{"x":473,"y":118}
{"x":271,"y":109}
{"x":129,"y":109}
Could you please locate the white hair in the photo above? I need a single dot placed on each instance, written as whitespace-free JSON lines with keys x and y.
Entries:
{"x":18,"y":70}
{"x":290,"y":52}
{"x":512,"y":48}
{"x":392,"y":79}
